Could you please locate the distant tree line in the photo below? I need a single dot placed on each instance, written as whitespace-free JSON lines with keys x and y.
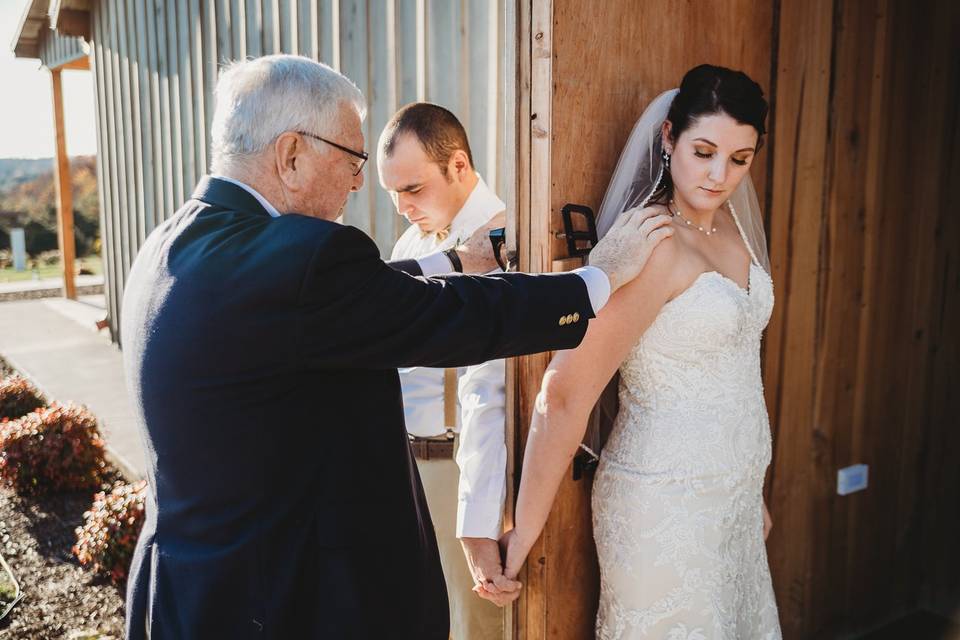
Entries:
{"x":35,"y":198}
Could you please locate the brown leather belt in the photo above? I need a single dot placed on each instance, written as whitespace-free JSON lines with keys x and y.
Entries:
{"x":432,"y":448}
{"x":440,"y":447}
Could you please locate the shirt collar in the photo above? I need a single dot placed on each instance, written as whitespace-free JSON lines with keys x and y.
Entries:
{"x":480,"y":207}
{"x":272,"y":210}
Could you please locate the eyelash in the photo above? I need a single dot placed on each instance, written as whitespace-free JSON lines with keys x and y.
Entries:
{"x":710,"y":155}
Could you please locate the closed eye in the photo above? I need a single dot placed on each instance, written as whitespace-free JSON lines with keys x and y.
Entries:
{"x":737,"y":161}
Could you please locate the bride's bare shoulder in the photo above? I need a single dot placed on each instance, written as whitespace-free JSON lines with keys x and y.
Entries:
{"x":667,"y":255}
{"x":668,"y":266}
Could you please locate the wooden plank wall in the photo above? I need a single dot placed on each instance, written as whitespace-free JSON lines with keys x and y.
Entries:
{"x":861,"y":357}
{"x":155,"y":66}
{"x":858,"y":358}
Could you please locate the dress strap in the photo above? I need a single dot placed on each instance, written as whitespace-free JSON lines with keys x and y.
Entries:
{"x":743,"y":236}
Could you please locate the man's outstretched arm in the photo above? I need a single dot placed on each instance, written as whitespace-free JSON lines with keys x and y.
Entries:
{"x":358,"y":312}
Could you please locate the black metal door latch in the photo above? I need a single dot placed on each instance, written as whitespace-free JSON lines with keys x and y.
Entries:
{"x":583,"y":463}
{"x":579,"y":242}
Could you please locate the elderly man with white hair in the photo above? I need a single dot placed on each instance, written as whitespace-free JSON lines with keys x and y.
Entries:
{"x":261,"y":342}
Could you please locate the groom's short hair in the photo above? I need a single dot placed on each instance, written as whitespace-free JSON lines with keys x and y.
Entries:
{"x":436,"y":128}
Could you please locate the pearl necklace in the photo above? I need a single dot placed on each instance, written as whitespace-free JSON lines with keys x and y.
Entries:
{"x":677,"y":213}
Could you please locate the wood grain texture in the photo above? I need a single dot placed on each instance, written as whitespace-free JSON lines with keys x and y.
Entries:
{"x":911,"y":375}
{"x":863,"y":147}
{"x":801,"y":452}
{"x":532,"y":612}
{"x":940,"y":413}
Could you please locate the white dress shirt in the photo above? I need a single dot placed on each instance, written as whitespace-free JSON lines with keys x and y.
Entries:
{"x":482,"y":451}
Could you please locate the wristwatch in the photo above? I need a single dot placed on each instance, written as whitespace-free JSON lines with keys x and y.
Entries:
{"x":454,"y":260}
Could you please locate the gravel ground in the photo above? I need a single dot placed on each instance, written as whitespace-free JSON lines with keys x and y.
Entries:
{"x":61,"y":599}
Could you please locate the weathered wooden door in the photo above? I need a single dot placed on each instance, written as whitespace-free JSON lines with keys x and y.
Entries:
{"x":854,"y":181}
{"x":587,"y":70}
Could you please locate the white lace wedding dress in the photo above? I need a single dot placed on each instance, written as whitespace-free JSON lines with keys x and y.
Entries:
{"x":677,"y":501}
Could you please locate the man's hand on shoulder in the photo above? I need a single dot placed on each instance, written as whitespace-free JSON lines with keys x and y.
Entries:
{"x":624,"y":251}
{"x":476,"y":252}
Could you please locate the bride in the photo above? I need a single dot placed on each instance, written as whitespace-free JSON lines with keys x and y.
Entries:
{"x":678,"y":512}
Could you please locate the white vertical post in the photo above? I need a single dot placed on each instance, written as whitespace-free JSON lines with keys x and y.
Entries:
{"x":18,"y":246}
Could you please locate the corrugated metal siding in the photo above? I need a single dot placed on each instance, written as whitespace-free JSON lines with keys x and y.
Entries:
{"x":57,"y":50}
{"x":155,"y":65}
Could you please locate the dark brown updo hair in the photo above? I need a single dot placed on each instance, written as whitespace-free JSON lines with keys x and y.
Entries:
{"x":708,"y":90}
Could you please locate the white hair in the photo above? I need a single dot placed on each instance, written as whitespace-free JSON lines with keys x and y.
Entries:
{"x":260,"y":98}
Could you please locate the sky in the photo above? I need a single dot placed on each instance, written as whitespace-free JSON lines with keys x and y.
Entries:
{"x":26,"y":111}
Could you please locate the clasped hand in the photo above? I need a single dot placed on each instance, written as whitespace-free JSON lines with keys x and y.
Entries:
{"x":486,"y":563}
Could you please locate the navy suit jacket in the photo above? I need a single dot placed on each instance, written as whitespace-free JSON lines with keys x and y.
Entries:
{"x":261,"y":356}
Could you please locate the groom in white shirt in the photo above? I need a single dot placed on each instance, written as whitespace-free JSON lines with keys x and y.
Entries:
{"x":425,"y":164}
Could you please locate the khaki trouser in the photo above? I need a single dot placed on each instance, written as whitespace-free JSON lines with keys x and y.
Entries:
{"x":471,"y":618}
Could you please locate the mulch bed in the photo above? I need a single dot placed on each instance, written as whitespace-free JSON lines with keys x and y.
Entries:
{"x":61,"y":599}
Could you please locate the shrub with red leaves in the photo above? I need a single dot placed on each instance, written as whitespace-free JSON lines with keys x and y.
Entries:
{"x":17,"y":398}
{"x":106,"y":541}
{"x":54,"y":449}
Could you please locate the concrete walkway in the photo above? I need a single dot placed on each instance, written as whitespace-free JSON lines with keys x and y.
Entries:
{"x":55,"y":343}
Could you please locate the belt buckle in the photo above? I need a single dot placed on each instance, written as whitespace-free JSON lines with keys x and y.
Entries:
{"x":435,"y":448}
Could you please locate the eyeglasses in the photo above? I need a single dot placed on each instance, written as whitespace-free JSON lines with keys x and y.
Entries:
{"x":363,"y":155}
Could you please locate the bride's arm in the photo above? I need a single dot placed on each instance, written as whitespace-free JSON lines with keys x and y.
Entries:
{"x":571,"y":385}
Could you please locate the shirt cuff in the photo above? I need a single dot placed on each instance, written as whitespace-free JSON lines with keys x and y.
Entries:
{"x":598,"y":286}
{"x":436,"y":264}
{"x":479,"y":519}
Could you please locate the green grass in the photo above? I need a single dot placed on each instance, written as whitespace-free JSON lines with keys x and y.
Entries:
{"x":93,"y":263}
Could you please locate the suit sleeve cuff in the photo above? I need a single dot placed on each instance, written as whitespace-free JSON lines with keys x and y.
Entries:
{"x":435,"y":264}
{"x":478,"y":519}
{"x":598,"y":286}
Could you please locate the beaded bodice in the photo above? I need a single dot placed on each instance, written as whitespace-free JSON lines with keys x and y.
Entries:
{"x":691,"y":394}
